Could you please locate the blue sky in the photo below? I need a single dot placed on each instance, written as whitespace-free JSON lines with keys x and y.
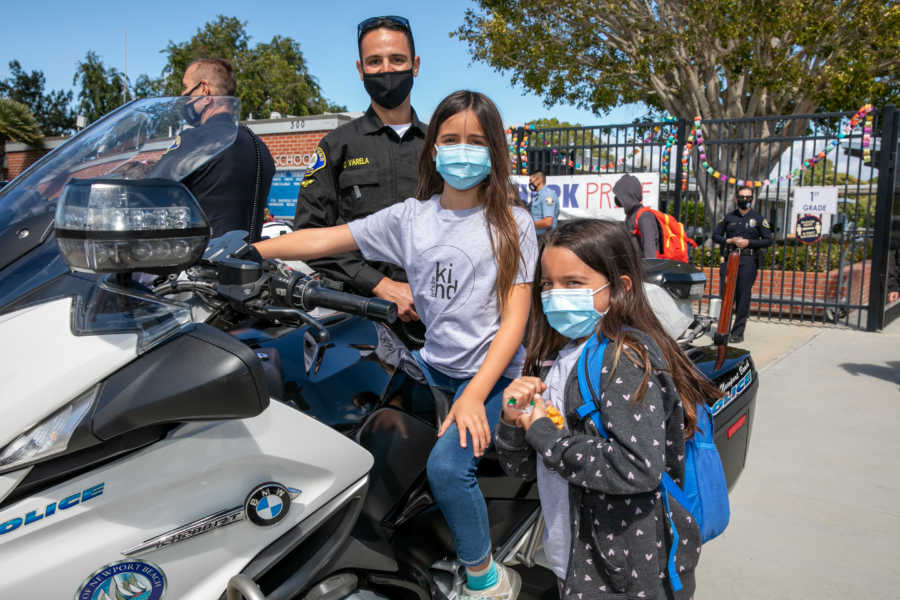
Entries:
{"x":52,"y":36}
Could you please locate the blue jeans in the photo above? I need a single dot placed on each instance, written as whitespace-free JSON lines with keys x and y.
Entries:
{"x":451,"y":473}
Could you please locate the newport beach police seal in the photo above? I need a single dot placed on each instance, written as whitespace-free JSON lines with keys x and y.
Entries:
{"x":267,"y":504}
{"x":125,"y":579}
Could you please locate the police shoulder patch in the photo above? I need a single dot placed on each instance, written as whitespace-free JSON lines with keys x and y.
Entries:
{"x":318,"y":163}
{"x":175,"y":145}
{"x":765,"y":224}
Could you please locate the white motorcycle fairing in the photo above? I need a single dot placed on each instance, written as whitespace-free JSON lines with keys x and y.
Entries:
{"x":198,"y":470}
{"x":49,"y":365}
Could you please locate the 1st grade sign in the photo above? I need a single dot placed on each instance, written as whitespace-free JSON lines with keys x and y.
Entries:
{"x":813,"y":201}
{"x":591,"y":196}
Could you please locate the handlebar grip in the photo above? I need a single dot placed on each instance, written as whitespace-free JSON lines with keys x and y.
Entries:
{"x":311,"y":296}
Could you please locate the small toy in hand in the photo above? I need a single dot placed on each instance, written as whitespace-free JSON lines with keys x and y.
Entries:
{"x":554,"y":415}
{"x":527,"y":410}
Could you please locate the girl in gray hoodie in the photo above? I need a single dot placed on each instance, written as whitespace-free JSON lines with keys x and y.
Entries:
{"x":608,"y":535}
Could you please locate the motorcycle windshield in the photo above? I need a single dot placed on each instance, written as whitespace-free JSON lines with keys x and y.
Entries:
{"x":145,"y":138}
{"x":149,"y":138}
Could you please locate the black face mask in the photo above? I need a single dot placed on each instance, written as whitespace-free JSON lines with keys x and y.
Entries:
{"x":388,"y":89}
{"x":189,"y":111}
{"x":532,"y":187}
{"x":191,"y":116}
{"x":743,"y":203}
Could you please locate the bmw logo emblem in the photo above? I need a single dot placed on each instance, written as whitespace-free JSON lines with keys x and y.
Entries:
{"x":268,"y":503}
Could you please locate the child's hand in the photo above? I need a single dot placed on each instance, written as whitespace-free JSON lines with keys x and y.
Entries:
{"x":527,"y":418}
{"x":520,"y":396}
{"x":469,"y":415}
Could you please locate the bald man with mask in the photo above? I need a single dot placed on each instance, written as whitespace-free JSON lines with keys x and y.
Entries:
{"x":234,"y":185}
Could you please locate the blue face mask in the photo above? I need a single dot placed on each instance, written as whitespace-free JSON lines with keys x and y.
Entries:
{"x":571,"y":312}
{"x":463,"y":165}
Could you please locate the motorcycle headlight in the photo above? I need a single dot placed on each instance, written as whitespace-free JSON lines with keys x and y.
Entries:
{"x":50,"y":436}
{"x":118,"y":226}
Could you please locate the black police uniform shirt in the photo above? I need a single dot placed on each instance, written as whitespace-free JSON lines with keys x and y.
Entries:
{"x":225,"y":185}
{"x":359,"y":168}
{"x":752,"y":227}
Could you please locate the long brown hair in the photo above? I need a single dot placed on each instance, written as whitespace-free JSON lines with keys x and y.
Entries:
{"x":607,"y":248}
{"x":492,"y":191}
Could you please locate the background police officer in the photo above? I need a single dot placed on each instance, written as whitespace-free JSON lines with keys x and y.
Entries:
{"x":233,"y":186}
{"x":545,"y":206}
{"x":369,"y":163}
{"x":747,"y":230}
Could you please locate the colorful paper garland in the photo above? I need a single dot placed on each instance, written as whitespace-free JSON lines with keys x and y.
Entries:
{"x":862,"y":113}
{"x":695,"y":140}
{"x":522,"y":151}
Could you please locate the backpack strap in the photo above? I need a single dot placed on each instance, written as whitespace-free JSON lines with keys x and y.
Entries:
{"x":637,"y":217}
{"x":668,"y":487}
{"x":589,"y":369}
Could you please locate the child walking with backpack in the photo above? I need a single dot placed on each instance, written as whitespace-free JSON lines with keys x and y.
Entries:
{"x":469,"y":256}
{"x":621,"y":397}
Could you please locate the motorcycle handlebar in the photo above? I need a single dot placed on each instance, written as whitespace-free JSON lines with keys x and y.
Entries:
{"x":312,"y":295}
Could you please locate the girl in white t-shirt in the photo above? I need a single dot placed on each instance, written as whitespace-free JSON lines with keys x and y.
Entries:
{"x":469,"y":258}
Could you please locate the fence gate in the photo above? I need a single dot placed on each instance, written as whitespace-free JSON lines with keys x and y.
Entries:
{"x":840,"y":278}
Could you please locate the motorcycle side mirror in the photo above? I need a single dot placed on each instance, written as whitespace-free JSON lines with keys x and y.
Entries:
{"x":121,"y":226}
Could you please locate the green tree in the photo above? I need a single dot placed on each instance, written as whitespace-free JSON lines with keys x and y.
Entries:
{"x":52,"y":110}
{"x":225,"y":38}
{"x":725,"y":59}
{"x":102,"y":89}
{"x":577,"y":136}
{"x":147,"y":87}
{"x":16,"y":124}
{"x":270,"y":76}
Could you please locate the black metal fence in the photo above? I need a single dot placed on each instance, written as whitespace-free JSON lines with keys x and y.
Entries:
{"x":841,"y":278}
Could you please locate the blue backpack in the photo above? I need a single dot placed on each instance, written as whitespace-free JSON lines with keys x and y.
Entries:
{"x":705,"y":493}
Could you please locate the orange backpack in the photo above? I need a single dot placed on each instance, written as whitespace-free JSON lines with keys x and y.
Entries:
{"x":674,"y":240}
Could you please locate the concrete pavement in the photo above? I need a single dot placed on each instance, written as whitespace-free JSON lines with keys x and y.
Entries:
{"x":816,"y":512}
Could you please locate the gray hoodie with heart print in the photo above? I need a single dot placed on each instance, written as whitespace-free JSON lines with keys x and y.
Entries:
{"x":620,"y":534}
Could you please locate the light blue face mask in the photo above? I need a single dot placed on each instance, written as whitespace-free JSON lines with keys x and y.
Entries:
{"x":571,"y":312}
{"x":463,"y":165}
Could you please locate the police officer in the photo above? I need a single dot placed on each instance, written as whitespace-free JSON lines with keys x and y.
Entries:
{"x":233,"y":186}
{"x":747,"y":230}
{"x":545,"y":205}
{"x":369,"y":163}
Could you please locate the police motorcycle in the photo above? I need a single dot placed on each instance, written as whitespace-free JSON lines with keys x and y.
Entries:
{"x":182,"y":422}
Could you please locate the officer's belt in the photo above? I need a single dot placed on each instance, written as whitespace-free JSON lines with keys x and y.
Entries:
{"x":744,"y":251}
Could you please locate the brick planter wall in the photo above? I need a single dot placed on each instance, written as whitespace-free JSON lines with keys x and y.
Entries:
{"x":19,"y":161}
{"x":773,"y":286}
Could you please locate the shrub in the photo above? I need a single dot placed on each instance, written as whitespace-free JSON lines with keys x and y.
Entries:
{"x":791,"y":255}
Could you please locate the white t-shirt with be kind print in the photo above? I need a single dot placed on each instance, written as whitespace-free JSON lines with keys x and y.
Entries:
{"x":451,"y":269}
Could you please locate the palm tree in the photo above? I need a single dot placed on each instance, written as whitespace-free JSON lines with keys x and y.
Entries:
{"x":17,"y":124}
